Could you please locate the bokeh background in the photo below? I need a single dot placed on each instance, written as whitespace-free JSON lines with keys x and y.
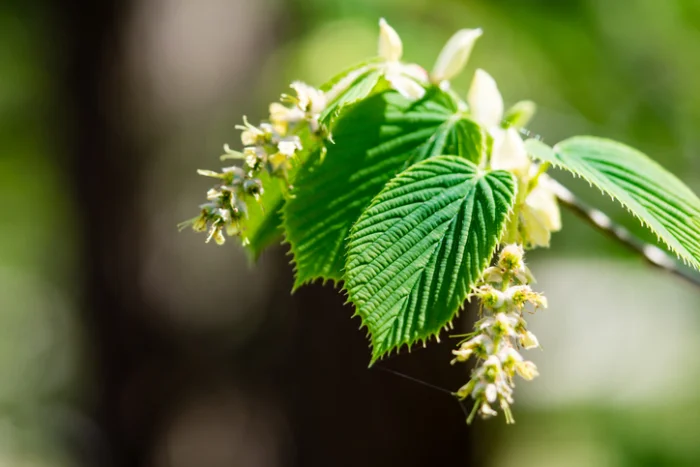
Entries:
{"x":126,"y":343}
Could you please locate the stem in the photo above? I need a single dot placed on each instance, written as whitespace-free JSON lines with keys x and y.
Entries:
{"x":652,"y":254}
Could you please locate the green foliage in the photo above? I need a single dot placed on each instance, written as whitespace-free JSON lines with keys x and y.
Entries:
{"x":268,"y":228}
{"x":655,"y":196}
{"x":350,"y":87}
{"x":415,"y":253}
{"x":262,"y":222}
{"x":373,"y":141}
{"x":378,"y":180}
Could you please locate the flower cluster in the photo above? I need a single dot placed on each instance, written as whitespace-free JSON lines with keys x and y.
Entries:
{"x":268,"y":148}
{"x":504,"y":294}
{"x":537,"y":208}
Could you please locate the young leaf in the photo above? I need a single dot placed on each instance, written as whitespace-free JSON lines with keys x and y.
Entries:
{"x":368,"y":78}
{"x":660,"y":200}
{"x":352,"y":86}
{"x":268,"y":231}
{"x":425,"y":240}
{"x":374,"y":141}
{"x":262,"y":224}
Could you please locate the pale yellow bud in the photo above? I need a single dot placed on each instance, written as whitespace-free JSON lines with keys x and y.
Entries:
{"x":509,"y":153}
{"x":485,"y":100}
{"x":511,"y":257}
{"x":486,"y":411}
{"x":528,"y":340}
{"x":216,"y":234}
{"x":279,"y":161}
{"x":390,"y":45}
{"x":232,"y":229}
{"x":454,"y":55}
{"x":309,"y":99}
{"x":540,"y":214}
{"x":491,"y":392}
{"x":527,"y":370}
{"x":200,"y":224}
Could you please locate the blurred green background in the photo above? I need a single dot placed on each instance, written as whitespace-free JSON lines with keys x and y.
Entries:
{"x":123,"y":342}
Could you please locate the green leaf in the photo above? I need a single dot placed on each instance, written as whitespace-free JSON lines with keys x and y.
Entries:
{"x":268,"y":232}
{"x":262,"y":227}
{"x":374,"y":141}
{"x":416,"y":252}
{"x":350,"y":87}
{"x":660,"y":200}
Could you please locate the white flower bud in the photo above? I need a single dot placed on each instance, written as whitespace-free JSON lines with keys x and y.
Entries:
{"x":493,"y":275}
{"x":486,"y":411}
{"x":491,"y":393}
{"x":509,"y":153}
{"x":281,"y":116}
{"x":504,"y":325}
{"x":390,"y":45}
{"x":491,"y":297}
{"x":509,"y":356}
{"x":309,"y":99}
{"x":511,"y":257}
{"x":454,"y":55}
{"x":288,"y":147}
{"x":485,"y":100}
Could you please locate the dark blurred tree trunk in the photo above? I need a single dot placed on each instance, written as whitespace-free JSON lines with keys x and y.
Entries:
{"x":345,"y":414}
{"x":106,"y":166}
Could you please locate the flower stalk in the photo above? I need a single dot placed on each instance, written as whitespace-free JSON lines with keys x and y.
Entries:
{"x":504,"y":294}
{"x":269,"y":148}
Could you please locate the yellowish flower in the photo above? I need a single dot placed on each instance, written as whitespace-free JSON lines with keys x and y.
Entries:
{"x":454,"y":55}
{"x":390,"y":45}
{"x":485,"y":100}
{"x":540,"y":214}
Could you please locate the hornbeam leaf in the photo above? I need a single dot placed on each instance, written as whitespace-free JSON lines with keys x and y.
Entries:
{"x":655,"y":196}
{"x":374,"y":141}
{"x":416,"y":252}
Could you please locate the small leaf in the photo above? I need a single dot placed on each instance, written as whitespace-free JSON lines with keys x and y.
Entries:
{"x":416,"y":252}
{"x":268,"y":232}
{"x":366,"y":79}
{"x":259,"y":228}
{"x":374,"y":141}
{"x":350,"y":87}
{"x":263,"y":226}
{"x":660,"y":200}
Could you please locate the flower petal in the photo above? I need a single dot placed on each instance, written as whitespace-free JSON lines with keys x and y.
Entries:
{"x":485,"y":101}
{"x":454,"y":55}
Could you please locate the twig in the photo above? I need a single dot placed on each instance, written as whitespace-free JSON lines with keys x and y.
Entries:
{"x":652,"y":254}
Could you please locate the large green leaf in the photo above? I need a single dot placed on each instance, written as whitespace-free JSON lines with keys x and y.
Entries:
{"x":374,"y":141}
{"x":654,"y":195}
{"x":416,"y":252}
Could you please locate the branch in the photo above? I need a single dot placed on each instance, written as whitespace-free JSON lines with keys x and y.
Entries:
{"x":652,"y":254}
